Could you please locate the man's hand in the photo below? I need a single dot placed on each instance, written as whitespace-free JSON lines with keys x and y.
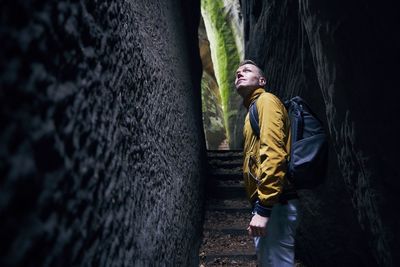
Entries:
{"x":258,"y":225}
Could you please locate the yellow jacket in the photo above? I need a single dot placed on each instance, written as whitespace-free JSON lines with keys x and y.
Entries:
{"x":265,"y":159}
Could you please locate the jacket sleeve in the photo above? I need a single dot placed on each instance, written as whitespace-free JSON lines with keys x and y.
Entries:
{"x":273,"y":154}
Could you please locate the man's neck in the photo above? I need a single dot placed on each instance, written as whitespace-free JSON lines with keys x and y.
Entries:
{"x":252,"y":96}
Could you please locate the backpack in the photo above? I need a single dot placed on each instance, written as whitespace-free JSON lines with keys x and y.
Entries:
{"x":309,"y":144}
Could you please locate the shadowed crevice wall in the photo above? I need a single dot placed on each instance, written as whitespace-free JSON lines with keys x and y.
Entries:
{"x":101,"y":147}
{"x":342,"y":58}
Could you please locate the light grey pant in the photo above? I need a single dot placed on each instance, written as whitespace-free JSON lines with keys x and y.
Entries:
{"x":276,"y":249}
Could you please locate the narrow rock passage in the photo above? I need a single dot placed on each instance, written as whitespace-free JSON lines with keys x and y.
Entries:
{"x":225,"y":239}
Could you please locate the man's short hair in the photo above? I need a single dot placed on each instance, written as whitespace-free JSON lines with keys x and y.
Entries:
{"x":248,"y":61}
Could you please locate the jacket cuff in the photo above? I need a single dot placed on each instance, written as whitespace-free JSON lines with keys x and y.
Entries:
{"x":261,"y":210}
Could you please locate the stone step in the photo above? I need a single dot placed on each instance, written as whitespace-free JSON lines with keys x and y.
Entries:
{"x":222,"y":220}
{"x":227,"y":191}
{"x":230,"y":206}
{"x":230,"y":250}
{"x":226,"y":244}
{"x":225,"y":163}
{"x":228,"y":231}
{"x":224,"y":154}
{"x":231,"y":210}
{"x":243,"y":260}
{"x":226,"y":174}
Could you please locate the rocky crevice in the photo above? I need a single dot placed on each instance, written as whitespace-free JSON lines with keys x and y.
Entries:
{"x":100,"y":103}
{"x":340,"y":58}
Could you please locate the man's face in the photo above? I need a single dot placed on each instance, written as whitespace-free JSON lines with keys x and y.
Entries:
{"x":248,"y":79}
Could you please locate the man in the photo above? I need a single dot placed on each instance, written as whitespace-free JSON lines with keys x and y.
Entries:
{"x":274,"y":220}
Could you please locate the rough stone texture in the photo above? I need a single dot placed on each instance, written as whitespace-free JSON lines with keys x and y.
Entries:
{"x":343,"y":58}
{"x":101,"y":143}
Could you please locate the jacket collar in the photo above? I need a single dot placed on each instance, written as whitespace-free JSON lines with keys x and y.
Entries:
{"x":252,"y":97}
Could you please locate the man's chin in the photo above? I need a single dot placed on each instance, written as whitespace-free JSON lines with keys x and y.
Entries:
{"x":241,"y":90}
{"x":240,"y":86}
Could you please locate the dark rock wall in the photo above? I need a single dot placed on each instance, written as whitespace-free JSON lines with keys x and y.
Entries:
{"x":101,"y":143}
{"x":343,"y":58}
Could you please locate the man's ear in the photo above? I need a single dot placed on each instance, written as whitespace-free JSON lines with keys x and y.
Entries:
{"x":262,"y":82}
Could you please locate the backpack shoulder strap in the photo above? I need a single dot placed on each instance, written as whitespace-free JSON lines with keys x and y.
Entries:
{"x":302,"y":103}
{"x":295,"y":112}
{"x":253,"y":116}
